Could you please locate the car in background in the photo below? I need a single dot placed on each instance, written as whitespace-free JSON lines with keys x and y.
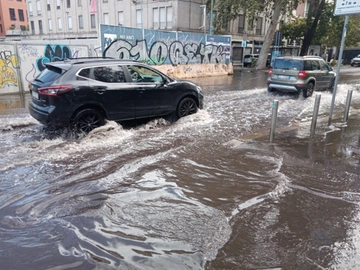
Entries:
{"x":83,"y":93}
{"x":250,"y":59}
{"x":355,"y":61}
{"x":300,"y":74}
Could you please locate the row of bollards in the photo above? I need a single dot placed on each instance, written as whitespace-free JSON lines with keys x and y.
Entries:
{"x":275,"y":106}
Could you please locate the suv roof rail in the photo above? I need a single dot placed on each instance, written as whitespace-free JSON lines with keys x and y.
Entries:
{"x":312,"y":56}
{"x":86,"y":58}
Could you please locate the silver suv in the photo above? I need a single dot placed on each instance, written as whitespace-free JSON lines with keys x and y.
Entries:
{"x":300,"y":74}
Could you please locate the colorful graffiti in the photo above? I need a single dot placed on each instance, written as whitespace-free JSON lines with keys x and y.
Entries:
{"x":8,"y":65}
{"x":177,"y":52}
{"x":52,"y":54}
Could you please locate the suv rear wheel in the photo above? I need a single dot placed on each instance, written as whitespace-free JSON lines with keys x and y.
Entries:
{"x":87,"y":120}
{"x":309,"y":90}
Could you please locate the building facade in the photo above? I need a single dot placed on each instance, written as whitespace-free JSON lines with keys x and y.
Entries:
{"x":58,"y":19}
{"x":13,"y":17}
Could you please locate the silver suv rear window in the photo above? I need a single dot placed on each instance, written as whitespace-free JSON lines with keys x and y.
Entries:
{"x":288,"y":64}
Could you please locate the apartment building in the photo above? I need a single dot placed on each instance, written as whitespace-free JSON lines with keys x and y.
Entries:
{"x":58,"y":19}
{"x":13,"y":17}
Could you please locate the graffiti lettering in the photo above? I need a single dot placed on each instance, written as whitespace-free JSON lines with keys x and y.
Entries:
{"x":158,"y":53}
{"x":52,"y":54}
{"x":28,"y":50}
{"x":8,"y":65}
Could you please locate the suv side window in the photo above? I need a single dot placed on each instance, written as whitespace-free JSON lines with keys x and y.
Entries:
{"x":307,"y":65}
{"x":315,"y":65}
{"x":109,"y":74}
{"x":324,"y":66}
{"x":84,"y":73}
{"x":143,"y":74}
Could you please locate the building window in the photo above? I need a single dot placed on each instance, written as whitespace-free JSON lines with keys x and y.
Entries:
{"x":162,"y":18}
{"x":138,"y":18}
{"x":38,"y":7}
{"x":92,"y":21}
{"x":79,"y":3}
{"x":48,"y":5}
{"x":30,"y":9}
{"x":40,"y":27}
{"x":156,"y":18}
{"x":23,"y":27}
{"x":58,"y":3}
{"x":120,"y":17}
{"x":105,"y":1}
{"x":59,"y":24}
{"x":81,"y":22}
{"x":21,"y":15}
{"x":241,"y":26}
{"x":68,"y":3}
{"x":32,"y":27}
{"x":106,"y":18}
{"x":12,"y":14}
{"x":1,"y":30}
{"x":50,"y":25}
{"x":258,"y":26}
{"x":169,"y":17}
{"x":70,"y":27}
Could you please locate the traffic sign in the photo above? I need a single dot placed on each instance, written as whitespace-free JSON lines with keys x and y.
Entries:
{"x":346,"y":7}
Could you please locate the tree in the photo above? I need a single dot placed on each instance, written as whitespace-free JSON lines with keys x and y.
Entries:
{"x":316,"y":9}
{"x":229,"y":10}
{"x":328,"y":31}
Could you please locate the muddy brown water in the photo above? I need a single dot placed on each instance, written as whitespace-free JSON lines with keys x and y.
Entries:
{"x":206,"y":192}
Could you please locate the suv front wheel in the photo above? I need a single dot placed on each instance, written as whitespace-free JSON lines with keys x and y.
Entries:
{"x":309,"y":90}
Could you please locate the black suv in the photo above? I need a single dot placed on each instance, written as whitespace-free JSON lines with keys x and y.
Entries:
{"x":84,"y":92}
{"x":300,"y":74}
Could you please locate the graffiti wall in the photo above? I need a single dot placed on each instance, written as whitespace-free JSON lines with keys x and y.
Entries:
{"x":164,"y":48}
{"x":9,"y":66}
{"x":20,"y":63}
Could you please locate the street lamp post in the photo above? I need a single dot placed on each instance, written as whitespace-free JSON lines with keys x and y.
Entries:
{"x":211,"y":17}
{"x":204,"y":15}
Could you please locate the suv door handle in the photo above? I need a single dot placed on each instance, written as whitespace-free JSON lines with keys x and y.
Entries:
{"x":100,"y":90}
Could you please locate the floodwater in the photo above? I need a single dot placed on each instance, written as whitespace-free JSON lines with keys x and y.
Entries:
{"x":206,"y":192}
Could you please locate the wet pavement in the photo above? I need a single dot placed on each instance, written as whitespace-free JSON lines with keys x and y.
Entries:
{"x":206,"y":192}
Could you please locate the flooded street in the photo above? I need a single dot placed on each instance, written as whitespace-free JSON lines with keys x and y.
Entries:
{"x":206,"y":192}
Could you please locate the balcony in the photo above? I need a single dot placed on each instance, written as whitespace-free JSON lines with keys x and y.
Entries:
{"x":17,"y":32}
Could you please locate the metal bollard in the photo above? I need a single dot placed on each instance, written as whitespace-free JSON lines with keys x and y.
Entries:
{"x":275,"y":106}
{"x":347,"y":106}
{"x":315,"y":113}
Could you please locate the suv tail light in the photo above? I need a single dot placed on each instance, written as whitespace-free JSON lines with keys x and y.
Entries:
{"x":270,"y":72}
{"x":302,"y":74}
{"x":55,"y":90}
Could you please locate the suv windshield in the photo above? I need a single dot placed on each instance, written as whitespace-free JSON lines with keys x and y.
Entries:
{"x":288,"y":64}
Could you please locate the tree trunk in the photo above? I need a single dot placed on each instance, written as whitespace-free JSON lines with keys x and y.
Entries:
{"x":310,"y":32}
{"x":261,"y":62}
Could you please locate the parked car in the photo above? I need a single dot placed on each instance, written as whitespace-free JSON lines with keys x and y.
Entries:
{"x":85,"y":92}
{"x":355,"y":61}
{"x":300,"y":74}
{"x":249,"y":59}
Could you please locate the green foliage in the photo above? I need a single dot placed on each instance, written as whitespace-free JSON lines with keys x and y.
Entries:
{"x":328,"y":31}
{"x":294,"y":30}
{"x":229,"y":10}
